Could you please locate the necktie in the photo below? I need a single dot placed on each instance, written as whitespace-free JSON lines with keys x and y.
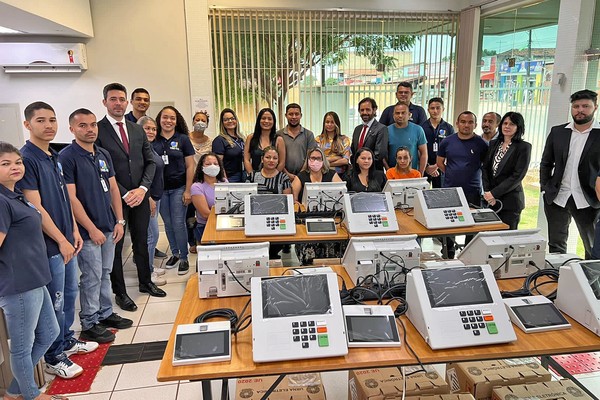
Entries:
{"x":123,"y":137}
{"x":361,"y":140}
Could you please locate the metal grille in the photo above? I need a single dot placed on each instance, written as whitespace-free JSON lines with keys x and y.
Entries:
{"x":328,"y":60}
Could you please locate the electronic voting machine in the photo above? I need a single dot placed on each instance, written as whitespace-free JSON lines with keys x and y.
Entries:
{"x":443,"y":208}
{"x":457,"y":307}
{"x":269,"y":214}
{"x":369,"y":212}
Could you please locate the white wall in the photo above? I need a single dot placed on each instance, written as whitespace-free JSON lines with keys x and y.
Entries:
{"x":143,"y":46}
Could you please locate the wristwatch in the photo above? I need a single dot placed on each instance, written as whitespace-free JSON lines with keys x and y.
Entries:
{"x":121,"y":222}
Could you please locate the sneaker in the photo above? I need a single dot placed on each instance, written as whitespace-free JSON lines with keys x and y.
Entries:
{"x":81,"y":347}
{"x":159,"y":254}
{"x":184,"y":267}
{"x":98,"y":333}
{"x":159,"y":271}
{"x":171,"y":262}
{"x":117,"y":322}
{"x":64,"y":368}
{"x":157,"y":279}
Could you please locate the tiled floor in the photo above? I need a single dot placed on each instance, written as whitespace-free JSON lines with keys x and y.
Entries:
{"x":153,"y":321}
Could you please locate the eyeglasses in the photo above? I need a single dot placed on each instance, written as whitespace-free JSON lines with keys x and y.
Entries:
{"x":315,"y":158}
{"x":229,"y":119}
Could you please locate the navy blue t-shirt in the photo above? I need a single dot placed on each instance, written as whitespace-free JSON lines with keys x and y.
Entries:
{"x":233,"y":155}
{"x":463,"y":162}
{"x":43,"y":173}
{"x":177,"y":147}
{"x":434,"y":138}
{"x":90,"y":173}
{"x":417,"y":116}
{"x":23,"y":259}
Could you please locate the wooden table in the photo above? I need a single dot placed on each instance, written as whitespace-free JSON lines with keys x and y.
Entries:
{"x":406,"y":222}
{"x":577,"y":339}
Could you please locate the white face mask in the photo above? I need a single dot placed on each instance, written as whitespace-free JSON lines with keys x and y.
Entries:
{"x":211,"y":170}
{"x":200,"y":126}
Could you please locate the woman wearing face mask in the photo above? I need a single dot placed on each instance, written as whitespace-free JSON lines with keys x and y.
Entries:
{"x":174,"y":146}
{"x":201,"y":142}
{"x":315,"y":169}
{"x":364,"y":177}
{"x":208,"y":172}
{"x":156,"y":191}
{"x":202,"y":145}
{"x":264,"y":135}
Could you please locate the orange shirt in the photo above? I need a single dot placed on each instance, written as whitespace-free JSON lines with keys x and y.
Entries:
{"x":393,"y":173}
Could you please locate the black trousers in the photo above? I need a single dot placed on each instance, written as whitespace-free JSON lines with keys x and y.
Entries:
{"x":559,"y":219}
{"x":137,"y":219}
{"x":510,"y":218}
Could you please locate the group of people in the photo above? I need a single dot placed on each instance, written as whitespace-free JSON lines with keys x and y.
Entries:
{"x":66,"y":213}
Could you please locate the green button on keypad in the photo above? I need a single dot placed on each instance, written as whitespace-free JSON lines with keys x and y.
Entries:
{"x":323,"y":340}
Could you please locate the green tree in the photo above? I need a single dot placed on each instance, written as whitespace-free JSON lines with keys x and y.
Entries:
{"x":269,"y":65}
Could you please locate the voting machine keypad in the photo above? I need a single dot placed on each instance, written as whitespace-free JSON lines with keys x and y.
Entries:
{"x":478,"y":321}
{"x":453,"y":215}
{"x":310,"y":333}
{"x":276,"y":223}
{"x":377,"y":220}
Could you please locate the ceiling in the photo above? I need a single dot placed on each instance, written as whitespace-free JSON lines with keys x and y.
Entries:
{"x":538,"y":15}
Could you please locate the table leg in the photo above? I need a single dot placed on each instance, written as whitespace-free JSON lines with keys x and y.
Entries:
{"x":206,"y":390}
{"x":548,"y":361}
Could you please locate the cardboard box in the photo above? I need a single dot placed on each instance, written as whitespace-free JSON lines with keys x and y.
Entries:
{"x":288,"y":389}
{"x":479,"y":377}
{"x":554,"y":390}
{"x":456,"y":396}
{"x":380,"y":383}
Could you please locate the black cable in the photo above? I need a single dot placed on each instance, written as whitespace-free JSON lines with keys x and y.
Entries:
{"x":235,"y":277}
{"x":531,"y":287}
{"x":506,"y":259}
{"x":408,"y":344}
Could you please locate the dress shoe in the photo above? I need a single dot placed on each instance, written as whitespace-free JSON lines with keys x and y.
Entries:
{"x":159,"y":254}
{"x":172,"y":262}
{"x":98,"y":333}
{"x":116,"y":321}
{"x":125,"y":302}
{"x":152,"y":290}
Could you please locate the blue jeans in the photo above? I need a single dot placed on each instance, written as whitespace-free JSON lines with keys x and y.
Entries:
{"x":32,"y":328}
{"x":95,"y":263}
{"x":198,"y":232}
{"x":153,"y":234}
{"x":63,"y":292}
{"x":172,"y":211}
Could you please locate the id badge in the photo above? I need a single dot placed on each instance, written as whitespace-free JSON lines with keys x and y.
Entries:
{"x":165,"y":159}
{"x":104,"y":185}
{"x":435,"y":147}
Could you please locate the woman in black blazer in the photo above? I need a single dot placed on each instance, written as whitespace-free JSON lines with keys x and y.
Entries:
{"x":504,"y":168}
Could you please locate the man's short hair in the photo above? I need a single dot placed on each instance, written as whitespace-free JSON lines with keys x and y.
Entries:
{"x":406,"y":85}
{"x":79,"y":111}
{"x":139,"y":90}
{"x":585,"y":94}
{"x":467,"y":112}
{"x":293,"y":105}
{"x":370,"y":100}
{"x":33,"y":107}
{"x":403,"y":105}
{"x":436,"y":100}
{"x":498,"y":116}
{"x":113,"y":86}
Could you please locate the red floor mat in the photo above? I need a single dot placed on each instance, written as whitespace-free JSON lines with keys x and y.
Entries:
{"x":581,"y":363}
{"x":91,"y":364}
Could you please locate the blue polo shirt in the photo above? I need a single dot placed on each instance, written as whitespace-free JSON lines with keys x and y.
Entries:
{"x":434,"y":138}
{"x":43,"y":173}
{"x":463,"y":162}
{"x":412,"y":137}
{"x":90,"y":172}
{"x":177,"y":147}
{"x":23,"y":258}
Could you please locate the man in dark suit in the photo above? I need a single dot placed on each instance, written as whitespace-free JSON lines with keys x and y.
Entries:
{"x":568,"y":170}
{"x":134,"y":166}
{"x":370,"y":134}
